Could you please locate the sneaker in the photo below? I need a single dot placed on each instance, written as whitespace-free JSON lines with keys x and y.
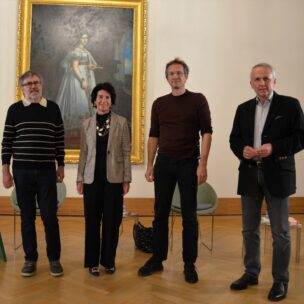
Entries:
{"x":150,"y":267}
{"x":190,"y":274}
{"x":28,"y":269}
{"x":56,"y":269}
{"x":110,"y":270}
{"x":94,"y":271}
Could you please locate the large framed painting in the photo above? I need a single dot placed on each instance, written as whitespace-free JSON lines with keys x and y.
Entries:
{"x":75,"y":44}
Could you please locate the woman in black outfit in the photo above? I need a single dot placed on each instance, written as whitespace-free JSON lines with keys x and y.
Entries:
{"x":104,"y":176}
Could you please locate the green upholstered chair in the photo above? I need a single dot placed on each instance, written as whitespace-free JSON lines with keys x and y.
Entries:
{"x":206,"y":205}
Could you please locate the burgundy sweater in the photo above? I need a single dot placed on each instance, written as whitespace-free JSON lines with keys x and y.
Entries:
{"x":177,"y":122}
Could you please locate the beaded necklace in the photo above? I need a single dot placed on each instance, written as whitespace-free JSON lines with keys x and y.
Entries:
{"x":105,"y":128}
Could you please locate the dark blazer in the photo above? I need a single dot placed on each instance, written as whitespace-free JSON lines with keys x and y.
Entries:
{"x":284,"y":129}
{"x":118,"y":151}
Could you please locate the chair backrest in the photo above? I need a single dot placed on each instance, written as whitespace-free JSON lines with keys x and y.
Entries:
{"x":61,"y":195}
{"x":206,"y":199}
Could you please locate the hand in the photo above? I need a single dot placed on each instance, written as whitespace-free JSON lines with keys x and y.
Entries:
{"x":202,"y":175}
{"x":125,"y":188}
{"x":92,"y":66}
{"x":60,"y":174}
{"x":249,"y":152}
{"x":149,"y":174}
{"x":79,"y":187}
{"x":265,"y":150}
{"x":7,"y":179}
{"x":84,"y":84}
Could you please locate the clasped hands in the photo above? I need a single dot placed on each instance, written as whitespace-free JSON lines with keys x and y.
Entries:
{"x":261,"y":152}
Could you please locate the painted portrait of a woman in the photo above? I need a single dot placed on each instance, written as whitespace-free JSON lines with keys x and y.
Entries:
{"x":76,"y":86}
{"x":77,"y":48}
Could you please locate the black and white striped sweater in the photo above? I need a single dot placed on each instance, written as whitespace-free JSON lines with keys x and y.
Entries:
{"x":34,"y":136}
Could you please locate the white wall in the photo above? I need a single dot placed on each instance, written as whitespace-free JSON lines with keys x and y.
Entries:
{"x":220,"y":40}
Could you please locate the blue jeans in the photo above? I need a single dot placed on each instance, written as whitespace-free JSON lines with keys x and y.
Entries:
{"x":40,"y":186}
{"x":277,"y":209}
{"x":167,"y":173}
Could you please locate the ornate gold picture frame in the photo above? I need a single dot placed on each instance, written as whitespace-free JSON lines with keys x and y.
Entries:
{"x":106,"y":39}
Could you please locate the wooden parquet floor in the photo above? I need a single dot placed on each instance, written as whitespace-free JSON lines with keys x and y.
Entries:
{"x":216,"y":271}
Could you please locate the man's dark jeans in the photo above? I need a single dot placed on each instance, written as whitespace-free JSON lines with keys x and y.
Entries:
{"x":38,"y":186}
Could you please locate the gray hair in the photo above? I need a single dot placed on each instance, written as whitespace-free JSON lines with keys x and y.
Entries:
{"x":265,"y":65}
{"x":28,"y":74}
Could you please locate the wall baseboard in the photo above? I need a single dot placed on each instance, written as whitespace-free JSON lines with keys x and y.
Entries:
{"x":73,"y":206}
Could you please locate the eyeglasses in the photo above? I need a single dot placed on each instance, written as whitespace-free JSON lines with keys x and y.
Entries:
{"x":31,"y":83}
{"x":178,"y":73}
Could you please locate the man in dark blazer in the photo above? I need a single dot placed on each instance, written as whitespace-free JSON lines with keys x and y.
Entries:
{"x":267,"y":131}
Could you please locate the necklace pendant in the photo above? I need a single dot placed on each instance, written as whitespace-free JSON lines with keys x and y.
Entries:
{"x":104,"y":129}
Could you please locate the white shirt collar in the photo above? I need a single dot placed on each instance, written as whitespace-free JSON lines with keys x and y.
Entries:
{"x":42,"y":102}
{"x":269,"y":99}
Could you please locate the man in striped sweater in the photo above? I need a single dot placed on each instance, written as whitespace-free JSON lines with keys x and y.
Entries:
{"x":34,"y":137}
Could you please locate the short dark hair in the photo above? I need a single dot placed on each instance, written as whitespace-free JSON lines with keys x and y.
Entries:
{"x":28,"y":74}
{"x":106,"y":86}
{"x":177,"y":61}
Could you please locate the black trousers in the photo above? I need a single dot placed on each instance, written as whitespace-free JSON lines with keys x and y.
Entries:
{"x":103,"y":206}
{"x":167,"y":173}
{"x":40,"y":186}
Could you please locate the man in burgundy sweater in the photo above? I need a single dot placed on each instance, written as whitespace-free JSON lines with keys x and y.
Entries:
{"x":178,"y":121}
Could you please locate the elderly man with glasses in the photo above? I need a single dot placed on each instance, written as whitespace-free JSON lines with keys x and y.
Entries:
{"x":34,"y":138}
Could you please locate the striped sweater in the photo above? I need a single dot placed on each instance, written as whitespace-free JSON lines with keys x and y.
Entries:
{"x":33,"y":136}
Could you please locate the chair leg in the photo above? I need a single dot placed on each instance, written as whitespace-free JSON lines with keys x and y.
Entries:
{"x":15,"y":233}
{"x":243,"y":248}
{"x":171,"y":232}
{"x":298,"y":242}
{"x":121,"y":228}
{"x":15,"y":253}
{"x":2,"y":250}
{"x":265,"y":236}
{"x":209,"y":247}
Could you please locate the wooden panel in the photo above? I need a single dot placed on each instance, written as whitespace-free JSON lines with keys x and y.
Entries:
{"x":144,"y":206}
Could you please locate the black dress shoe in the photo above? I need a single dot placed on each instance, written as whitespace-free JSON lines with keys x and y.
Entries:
{"x":190,"y":274}
{"x":150,"y":267}
{"x":278,"y":291}
{"x":243,"y":282}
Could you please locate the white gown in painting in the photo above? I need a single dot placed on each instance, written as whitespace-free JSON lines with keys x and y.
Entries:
{"x":76,"y":86}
